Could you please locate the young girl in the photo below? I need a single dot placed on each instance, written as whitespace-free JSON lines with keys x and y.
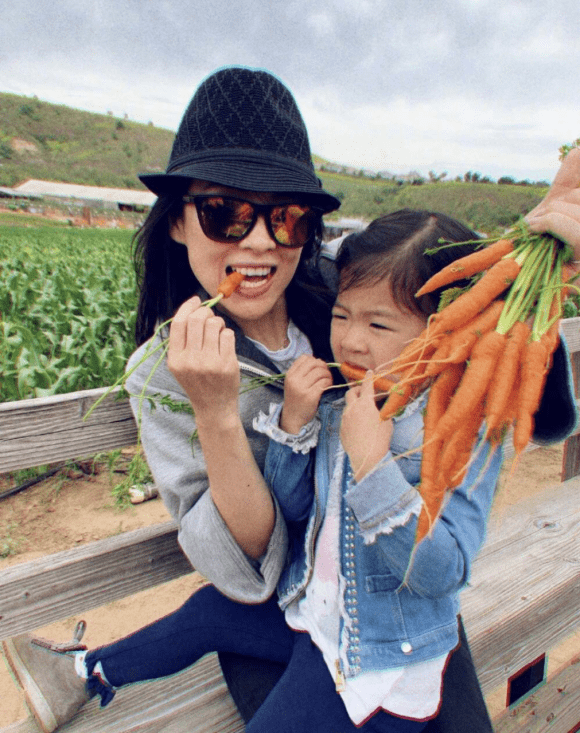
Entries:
{"x":382,"y":628}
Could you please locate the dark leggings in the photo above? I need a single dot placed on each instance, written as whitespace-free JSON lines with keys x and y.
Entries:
{"x":304,"y":698}
{"x":462,"y":707}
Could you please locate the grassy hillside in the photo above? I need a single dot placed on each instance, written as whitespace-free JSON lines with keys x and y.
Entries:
{"x":486,"y":207}
{"x":54,"y":142}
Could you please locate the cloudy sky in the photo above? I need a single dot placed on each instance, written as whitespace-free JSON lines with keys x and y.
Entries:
{"x":398,"y":85}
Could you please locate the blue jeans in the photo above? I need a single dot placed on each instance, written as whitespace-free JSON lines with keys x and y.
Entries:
{"x":304,"y":699}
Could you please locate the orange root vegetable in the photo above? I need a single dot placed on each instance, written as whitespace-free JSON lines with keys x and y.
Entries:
{"x":398,"y":398}
{"x":534,"y":368}
{"x":469,"y":304}
{"x":505,"y":376}
{"x":230,"y":284}
{"x":440,"y":395}
{"x":461,"y":342}
{"x":419,"y":349}
{"x":467,"y":266}
{"x":457,"y":451}
{"x":433,"y":494}
{"x":439,"y":359}
{"x":474,"y":384}
{"x":357,"y":374}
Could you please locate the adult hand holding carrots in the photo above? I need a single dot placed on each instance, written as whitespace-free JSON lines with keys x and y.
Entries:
{"x":559,"y":212}
{"x":202,"y":358}
{"x":365,"y":437}
{"x":304,"y":384}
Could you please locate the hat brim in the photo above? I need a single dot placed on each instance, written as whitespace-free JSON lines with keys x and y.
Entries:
{"x":246,"y":171}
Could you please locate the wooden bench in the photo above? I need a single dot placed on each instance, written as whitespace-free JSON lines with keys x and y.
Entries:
{"x":524,"y":597}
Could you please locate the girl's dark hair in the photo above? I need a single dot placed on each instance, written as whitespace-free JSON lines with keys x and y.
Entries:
{"x":394,"y":247}
{"x":165,"y":279}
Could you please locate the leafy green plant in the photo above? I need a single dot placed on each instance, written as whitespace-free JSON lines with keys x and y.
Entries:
{"x":68,"y":301}
{"x":138,"y":473}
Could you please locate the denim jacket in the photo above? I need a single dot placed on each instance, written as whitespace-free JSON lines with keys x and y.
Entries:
{"x":398,"y":606}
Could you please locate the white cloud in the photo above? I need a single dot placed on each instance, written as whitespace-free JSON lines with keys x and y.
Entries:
{"x":401,"y":84}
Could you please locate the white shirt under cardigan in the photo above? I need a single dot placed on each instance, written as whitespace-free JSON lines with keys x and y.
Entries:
{"x":413,"y":691}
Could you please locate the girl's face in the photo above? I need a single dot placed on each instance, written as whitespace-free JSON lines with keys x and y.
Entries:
{"x":369,"y":329}
{"x":268,"y":268}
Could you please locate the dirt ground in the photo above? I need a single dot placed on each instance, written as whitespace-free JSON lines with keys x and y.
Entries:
{"x":67,"y":511}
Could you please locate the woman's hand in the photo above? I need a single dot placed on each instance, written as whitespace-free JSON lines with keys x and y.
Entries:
{"x":305,"y":382}
{"x":202,"y":357}
{"x":365,"y":437}
{"x":559,"y":212}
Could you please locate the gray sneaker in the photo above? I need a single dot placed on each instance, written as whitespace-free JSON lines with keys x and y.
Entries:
{"x":53,"y":690}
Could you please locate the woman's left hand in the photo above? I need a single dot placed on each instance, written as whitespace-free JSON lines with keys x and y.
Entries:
{"x":365,"y":437}
{"x":559,"y":212}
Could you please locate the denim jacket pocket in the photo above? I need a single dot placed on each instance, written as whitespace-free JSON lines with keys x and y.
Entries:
{"x":386,"y":582}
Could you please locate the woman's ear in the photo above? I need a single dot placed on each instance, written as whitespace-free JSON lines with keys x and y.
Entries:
{"x":177,"y":229}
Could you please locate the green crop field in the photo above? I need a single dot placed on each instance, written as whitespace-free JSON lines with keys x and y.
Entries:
{"x":67,"y":309}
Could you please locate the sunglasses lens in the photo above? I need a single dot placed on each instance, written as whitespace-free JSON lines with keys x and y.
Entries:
{"x":230,"y":220}
{"x":293,"y":225}
{"x":226,"y":220}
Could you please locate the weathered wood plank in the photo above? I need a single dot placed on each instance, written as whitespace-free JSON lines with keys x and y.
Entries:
{"x":524,"y":595}
{"x":60,"y":585}
{"x":571,"y":331}
{"x":194,"y":701}
{"x":51,"y":429}
{"x":553,"y":708}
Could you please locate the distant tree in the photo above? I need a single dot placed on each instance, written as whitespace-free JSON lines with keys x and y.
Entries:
{"x":435,"y":178}
{"x":506,"y":180}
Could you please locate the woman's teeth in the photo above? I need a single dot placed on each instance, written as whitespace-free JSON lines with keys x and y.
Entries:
{"x":254,"y":276}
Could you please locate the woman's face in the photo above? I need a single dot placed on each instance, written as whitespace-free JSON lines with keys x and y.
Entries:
{"x":268,"y":268}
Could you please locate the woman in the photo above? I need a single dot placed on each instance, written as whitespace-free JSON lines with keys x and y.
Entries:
{"x":240,"y":192}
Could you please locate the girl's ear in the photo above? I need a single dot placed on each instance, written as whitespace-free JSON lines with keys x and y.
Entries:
{"x":177,"y":229}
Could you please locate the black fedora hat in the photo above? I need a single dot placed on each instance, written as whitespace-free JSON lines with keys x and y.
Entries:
{"x":243,"y":129}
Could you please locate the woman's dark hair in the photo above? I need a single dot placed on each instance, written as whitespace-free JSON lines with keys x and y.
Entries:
{"x":165,"y":279}
{"x":395,"y":246}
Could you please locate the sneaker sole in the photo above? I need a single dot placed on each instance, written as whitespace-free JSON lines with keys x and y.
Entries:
{"x":36,"y":701}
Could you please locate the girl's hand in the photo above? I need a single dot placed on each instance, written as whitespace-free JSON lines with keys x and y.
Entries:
{"x":202,"y":357}
{"x":365,"y":437}
{"x":559,"y":212}
{"x":305,"y":382}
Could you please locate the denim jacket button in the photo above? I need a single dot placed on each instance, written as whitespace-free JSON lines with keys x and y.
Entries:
{"x":406,"y":648}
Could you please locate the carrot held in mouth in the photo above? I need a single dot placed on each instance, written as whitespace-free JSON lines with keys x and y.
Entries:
{"x":230,"y":284}
{"x":357,"y":374}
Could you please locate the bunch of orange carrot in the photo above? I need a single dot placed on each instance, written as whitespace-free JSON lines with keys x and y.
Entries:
{"x":485,"y":356}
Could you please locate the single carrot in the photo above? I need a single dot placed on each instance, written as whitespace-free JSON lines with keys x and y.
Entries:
{"x":532,"y":377}
{"x":505,"y":376}
{"x":469,"y":304}
{"x":461,"y":342}
{"x":474,"y":383}
{"x":420,"y":348}
{"x":230,"y":284}
{"x":457,"y":451}
{"x":430,"y":510}
{"x":356,"y":374}
{"x":467,"y":266}
{"x":440,"y":358}
{"x":440,"y":395}
{"x":398,"y":398}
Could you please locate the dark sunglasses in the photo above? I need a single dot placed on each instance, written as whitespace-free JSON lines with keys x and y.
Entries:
{"x":227,"y":219}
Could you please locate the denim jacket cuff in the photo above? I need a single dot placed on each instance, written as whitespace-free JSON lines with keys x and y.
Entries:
{"x":302,"y":442}
{"x":383,"y":500}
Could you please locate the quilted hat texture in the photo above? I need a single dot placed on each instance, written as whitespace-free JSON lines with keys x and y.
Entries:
{"x":243,"y":129}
